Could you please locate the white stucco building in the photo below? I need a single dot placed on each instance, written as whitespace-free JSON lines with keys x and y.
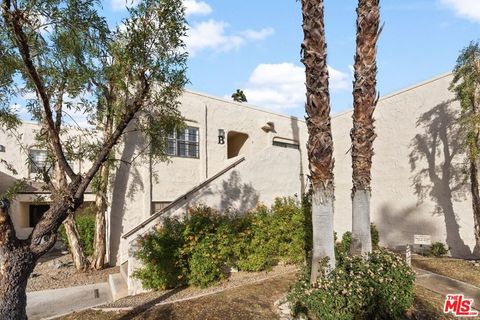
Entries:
{"x":234,"y":155}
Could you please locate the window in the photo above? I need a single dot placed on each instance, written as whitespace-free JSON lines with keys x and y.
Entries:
{"x":39,"y":161}
{"x":159,"y":205}
{"x":285,"y":143}
{"x":183,"y":143}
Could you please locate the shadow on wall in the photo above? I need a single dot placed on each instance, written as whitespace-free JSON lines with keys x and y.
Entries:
{"x":126,"y":183}
{"x":436,"y":161}
{"x":296,"y":136}
{"x":396,"y":226}
{"x":234,"y":195}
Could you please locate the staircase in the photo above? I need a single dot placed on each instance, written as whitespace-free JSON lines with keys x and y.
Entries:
{"x":123,"y":284}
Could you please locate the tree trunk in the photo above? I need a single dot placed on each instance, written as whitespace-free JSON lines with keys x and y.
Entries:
{"x":320,"y":143}
{"x":474,"y":188}
{"x":361,"y":236}
{"x":78,"y":254}
{"x":363,"y":131}
{"x":16,"y":264}
{"x":101,"y":202}
{"x":15,"y":269}
{"x":100,"y":246}
{"x":322,"y":224}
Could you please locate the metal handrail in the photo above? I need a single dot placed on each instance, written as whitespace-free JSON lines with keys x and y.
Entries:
{"x":182,"y":197}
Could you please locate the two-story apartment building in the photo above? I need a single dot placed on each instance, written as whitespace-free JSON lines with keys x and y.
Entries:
{"x":233,"y":156}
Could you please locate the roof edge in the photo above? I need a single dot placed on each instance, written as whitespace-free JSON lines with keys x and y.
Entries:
{"x":242,"y":104}
{"x":401,"y":91}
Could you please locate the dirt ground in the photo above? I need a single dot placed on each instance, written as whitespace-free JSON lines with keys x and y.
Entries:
{"x":56,"y":270}
{"x":459,"y":269}
{"x":254,"y":301}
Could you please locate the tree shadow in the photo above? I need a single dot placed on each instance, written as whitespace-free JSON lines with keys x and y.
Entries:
{"x":407,"y":224}
{"x":436,"y":161}
{"x":237,"y":195}
{"x":137,"y":311}
{"x":126,"y":182}
{"x":296,"y":137}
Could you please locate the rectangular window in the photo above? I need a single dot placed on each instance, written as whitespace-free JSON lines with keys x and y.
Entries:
{"x":38,"y":161}
{"x":183,"y":143}
{"x":159,"y":205}
{"x":285,"y":143}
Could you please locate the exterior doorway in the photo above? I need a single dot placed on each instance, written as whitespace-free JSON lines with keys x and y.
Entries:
{"x":235,"y":143}
{"x":36,"y":212}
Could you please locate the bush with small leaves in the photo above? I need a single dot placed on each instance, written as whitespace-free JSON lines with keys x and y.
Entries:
{"x":378,"y":288}
{"x":200,"y":249}
{"x":438,"y":249}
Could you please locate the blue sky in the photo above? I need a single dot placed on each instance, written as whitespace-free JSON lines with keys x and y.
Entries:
{"x":254,"y":45}
{"x":421,"y":39}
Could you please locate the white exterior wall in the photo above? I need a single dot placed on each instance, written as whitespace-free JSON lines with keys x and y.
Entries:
{"x":209,"y":115}
{"x":268,"y":171}
{"x":410,"y":194}
{"x":17,"y":147}
{"x":400,"y":170}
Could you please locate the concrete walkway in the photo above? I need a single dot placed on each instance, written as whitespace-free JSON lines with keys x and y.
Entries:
{"x":52,"y":303}
{"x":445,"y":285}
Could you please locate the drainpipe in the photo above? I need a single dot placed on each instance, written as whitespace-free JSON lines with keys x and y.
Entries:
{"x":206,"y":141}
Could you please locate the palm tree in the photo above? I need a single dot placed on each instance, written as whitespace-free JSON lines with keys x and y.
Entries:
{"x":363,"y":131}
{"x":239,"y":96}
{"x":320,"y":144}
{"x":466,"y":85}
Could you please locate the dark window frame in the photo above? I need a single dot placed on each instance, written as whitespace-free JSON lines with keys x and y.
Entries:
{"x":184,"y":144}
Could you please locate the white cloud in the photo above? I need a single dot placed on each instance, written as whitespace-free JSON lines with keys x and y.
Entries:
{"x":282,"y":86}
{"x":212,"y":35}
{"x":119,"y":5}
{"x":469,"y":9}
{"x":194,"y":7}
{"x":258,"y":35}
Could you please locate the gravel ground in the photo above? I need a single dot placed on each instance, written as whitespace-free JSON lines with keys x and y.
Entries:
{"x":236,"y":279}
{"x":250,"y":301}
{"x":56,"y":271}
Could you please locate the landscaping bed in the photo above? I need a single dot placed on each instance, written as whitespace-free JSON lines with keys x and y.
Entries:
{"x":58,"y":271}
{"x":458,"y":269}
{"x":251,"y":301}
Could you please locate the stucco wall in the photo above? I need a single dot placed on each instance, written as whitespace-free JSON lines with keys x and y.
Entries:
{"x":17,"y":145}
{"x":210,"y":114}
{"x":418,"y":178}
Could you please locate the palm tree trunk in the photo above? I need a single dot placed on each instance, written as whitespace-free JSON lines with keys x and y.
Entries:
{"x":320,"y":144}
{"x":363,"y":131}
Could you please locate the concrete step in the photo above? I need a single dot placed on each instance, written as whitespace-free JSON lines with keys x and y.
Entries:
{"x":118,"y":286}
{"x":124,"y":270}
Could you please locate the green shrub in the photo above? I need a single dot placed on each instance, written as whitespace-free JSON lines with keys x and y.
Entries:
{"x":208,"y":245}
{"x":375,"y":236}
{"x":438,"y":249}
{"x":86,"y":229}
{"x":200,"y":250}
{"x":379,"y":288}
{"x":271,"y":235}
{"x":342,"y":248}
{"x":164,"y":265}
